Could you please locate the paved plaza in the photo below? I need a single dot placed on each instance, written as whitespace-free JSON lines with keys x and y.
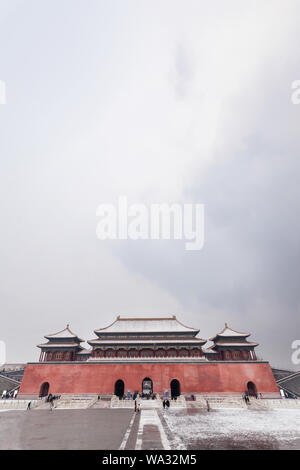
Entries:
{"x":174,"y":429}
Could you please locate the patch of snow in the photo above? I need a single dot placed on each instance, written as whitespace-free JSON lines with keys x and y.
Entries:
{"x":280,"y":427}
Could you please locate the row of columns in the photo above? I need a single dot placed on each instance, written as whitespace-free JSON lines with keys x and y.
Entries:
{"x":223,"y":355}
{"x":44,"y":356}
{"x":139,"y":353}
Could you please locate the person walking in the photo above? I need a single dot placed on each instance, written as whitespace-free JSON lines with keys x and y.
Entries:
{"x":28,"y":405}
{"x":247,"y":397}
{"x":138,"y":404}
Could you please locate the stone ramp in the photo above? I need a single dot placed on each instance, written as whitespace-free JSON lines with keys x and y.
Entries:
{"x":7,"y":383}
{"x":151,"y":434}
{"x":291,"y":384}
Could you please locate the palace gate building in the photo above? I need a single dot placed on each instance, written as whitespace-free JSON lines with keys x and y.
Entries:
{"x":148,"y":355}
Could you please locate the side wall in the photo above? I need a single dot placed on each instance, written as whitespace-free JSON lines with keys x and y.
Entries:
{"x":194,"y":378}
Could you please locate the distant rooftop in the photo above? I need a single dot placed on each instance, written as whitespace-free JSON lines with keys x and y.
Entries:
{"x":66,"y":333}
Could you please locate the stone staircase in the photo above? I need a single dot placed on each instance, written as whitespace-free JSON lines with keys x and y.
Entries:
{"x":179,"y":403}
{"x":116,"y":403}
{"x":218,"y":401}
{"x":74,"y":402}
{"x":281,"y":404}
{"x":151,"y":404}
{"x":104,"y":402}
{"x":199,"y":402}
{"x":43,"y":405}
{"x":145,"y":404}
{"x":256,"y":404}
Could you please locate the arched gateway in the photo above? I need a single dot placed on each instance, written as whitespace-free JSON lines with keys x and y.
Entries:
{"x":147,"y":386}
{"x":119,"y":388}
{"x":44,"y":390}
{"x":252,"y":390}
{"x":175,"y":388}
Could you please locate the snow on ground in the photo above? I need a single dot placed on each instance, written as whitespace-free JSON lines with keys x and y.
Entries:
{"x":236,"y":428}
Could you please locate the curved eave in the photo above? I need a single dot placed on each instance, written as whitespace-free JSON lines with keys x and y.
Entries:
{"x":188,"y":327}
{"x":58,"y":338}
{"x":59,"y":345}
{"x":235,"y":345}
{"x":220,"y":335}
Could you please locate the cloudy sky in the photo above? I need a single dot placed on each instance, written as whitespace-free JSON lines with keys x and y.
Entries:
{"x":160,"y":101}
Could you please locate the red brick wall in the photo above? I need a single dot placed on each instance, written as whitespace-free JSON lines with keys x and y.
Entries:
{"x":100,"y":378}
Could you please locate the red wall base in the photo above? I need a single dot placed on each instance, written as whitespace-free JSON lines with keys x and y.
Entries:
{"x":211,"y":377}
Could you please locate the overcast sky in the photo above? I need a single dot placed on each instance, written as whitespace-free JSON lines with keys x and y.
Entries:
{"x":160,"y":101}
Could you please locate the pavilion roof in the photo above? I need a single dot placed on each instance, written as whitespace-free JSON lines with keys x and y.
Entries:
{"x":147,"y":325}
{"x":64,"y":334}
{"x":229,"y":333}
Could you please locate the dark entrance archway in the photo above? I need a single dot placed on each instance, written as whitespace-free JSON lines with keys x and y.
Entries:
{"x":44,"y":390}
{"x":119,"y":388}
{"x":252,"y":390}
{"x":147,"y":386}
{"x":175,"y":388}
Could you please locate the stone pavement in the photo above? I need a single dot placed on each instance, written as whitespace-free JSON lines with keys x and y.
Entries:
{"x":63,"y":429}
